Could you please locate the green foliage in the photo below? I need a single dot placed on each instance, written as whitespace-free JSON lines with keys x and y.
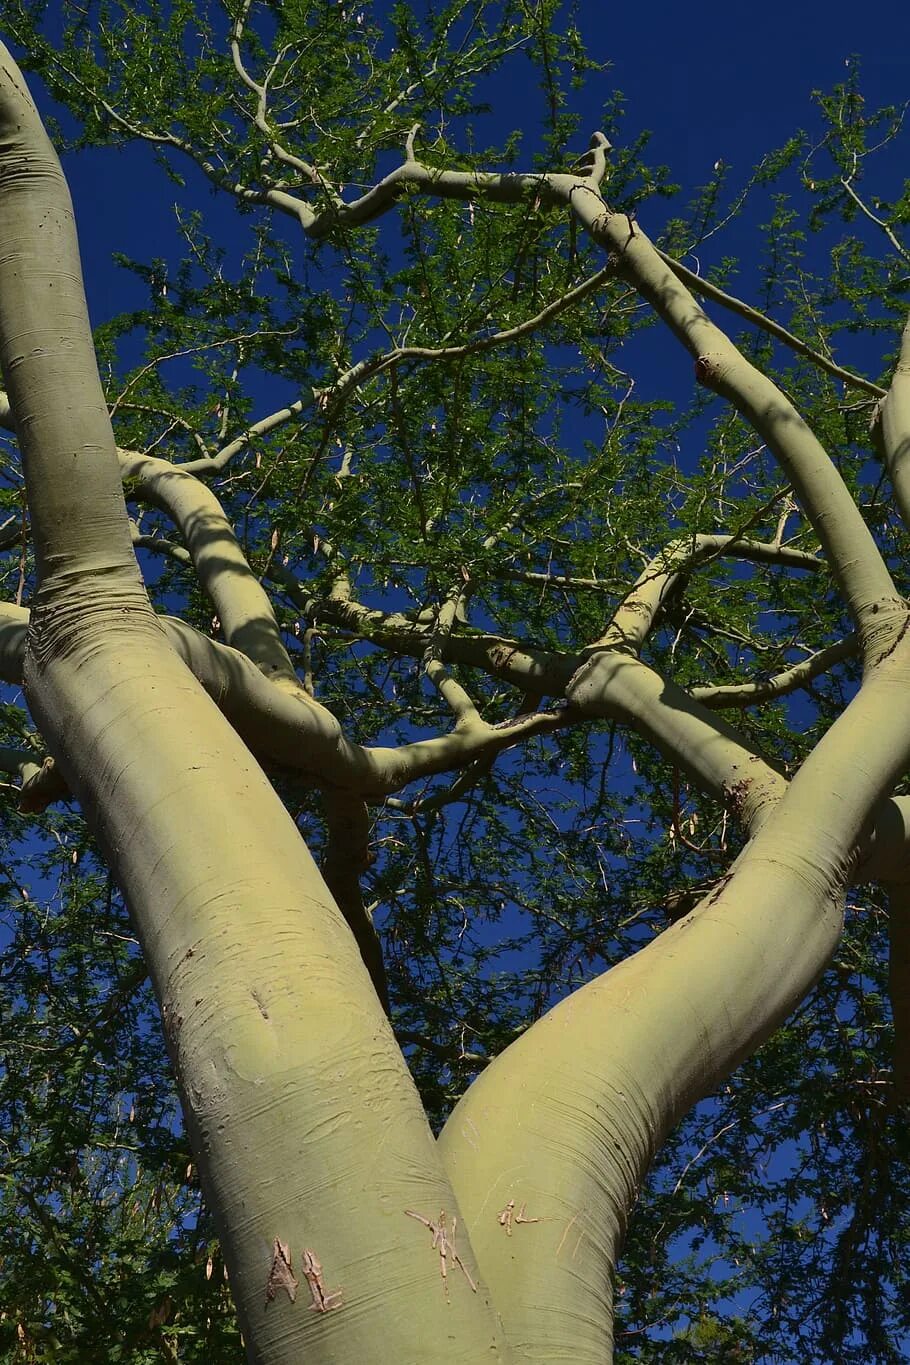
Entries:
{"x":547,"y":472}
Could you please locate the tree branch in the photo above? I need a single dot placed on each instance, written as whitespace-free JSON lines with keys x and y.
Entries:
{"x":347,"y":856}
{"x":707,"y":290}
{"x":741,"y":695}
{"x":77,"y":524}
{"x":273,"y":198}
{"x":260,"y":117}
{"x":243,"y":606}
{"x":891,"y":428}
{"x":634,"y":617}
{"x":847,"y":542}
{"x":879,"y":222}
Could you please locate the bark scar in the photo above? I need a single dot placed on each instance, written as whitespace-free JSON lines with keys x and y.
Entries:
{"x":508,"y":1218}
{"x":281,"y":1275}
{"x":444,"y":1242}
{"x":324,"y":1300}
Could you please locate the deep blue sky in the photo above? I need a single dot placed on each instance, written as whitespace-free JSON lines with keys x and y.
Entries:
{"x":712,"y":81}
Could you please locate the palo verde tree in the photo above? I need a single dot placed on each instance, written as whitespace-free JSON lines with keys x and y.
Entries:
{"x":593,"y":706}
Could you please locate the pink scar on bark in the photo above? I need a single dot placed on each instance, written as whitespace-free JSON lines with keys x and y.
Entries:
{"x":444,"y":1242}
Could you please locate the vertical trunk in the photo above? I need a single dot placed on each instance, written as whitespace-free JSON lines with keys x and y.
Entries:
{"x":304,"y":1120}
{"x":566,"y":1122}
{"x":309,"y":1134}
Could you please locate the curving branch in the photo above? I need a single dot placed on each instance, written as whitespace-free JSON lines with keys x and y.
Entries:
{"x":699,"y":285}
{"x":635,"y":616}
{"x":242,"y":604}
{"x":616,"y":686}
{"x":848,"y":545}
{"x":630,"y":1052}
{"x":891,"y":428}
{"x":741,"y":695}
{"x":234,"y":920}
{"x":330,"y":396}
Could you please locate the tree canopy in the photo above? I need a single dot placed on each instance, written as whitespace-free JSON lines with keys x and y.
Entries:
{"x":529,"y":621}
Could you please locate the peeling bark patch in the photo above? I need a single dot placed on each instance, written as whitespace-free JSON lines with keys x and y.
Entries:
{"x":281,"y":1276}
{"x":736,"y":794}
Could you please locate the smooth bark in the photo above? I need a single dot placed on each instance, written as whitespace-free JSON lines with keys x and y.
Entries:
{"x":307,"y":1128}
{"x":582,"y":1102}
{"x":306,"y":1125}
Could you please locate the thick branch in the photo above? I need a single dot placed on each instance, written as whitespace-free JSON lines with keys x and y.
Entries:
{"x":78,"y":517}
{"x":628,"y":1054}
{"x":719,"y":761}
{"x":846,"y":540}
{"x":242,"y":604}
{"x":706,"y":290}
{"x":634,"y":617}
{"x":891,"y":428}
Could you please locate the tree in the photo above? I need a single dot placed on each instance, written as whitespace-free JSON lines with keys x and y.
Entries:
{"x":454,"y":568}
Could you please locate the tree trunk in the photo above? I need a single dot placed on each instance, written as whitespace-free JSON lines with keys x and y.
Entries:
{"x":310,"y":1137}
{"x":336,"y":1209}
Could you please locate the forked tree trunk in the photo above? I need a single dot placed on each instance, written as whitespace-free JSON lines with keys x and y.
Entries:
{"x":331,"y":1198}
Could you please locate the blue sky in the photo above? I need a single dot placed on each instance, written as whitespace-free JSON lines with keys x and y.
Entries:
{"x":711,"y":81}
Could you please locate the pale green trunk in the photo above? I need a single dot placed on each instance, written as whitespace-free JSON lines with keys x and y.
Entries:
{"x":304,"y":1120}
{"x":306,"y":1125}
{"x":308,"y":1132}
{"x":566,"y":1122}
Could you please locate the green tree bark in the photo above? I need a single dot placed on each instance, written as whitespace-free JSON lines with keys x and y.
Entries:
{"x":348,"y":1232}
{"x":308,"y":1131}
